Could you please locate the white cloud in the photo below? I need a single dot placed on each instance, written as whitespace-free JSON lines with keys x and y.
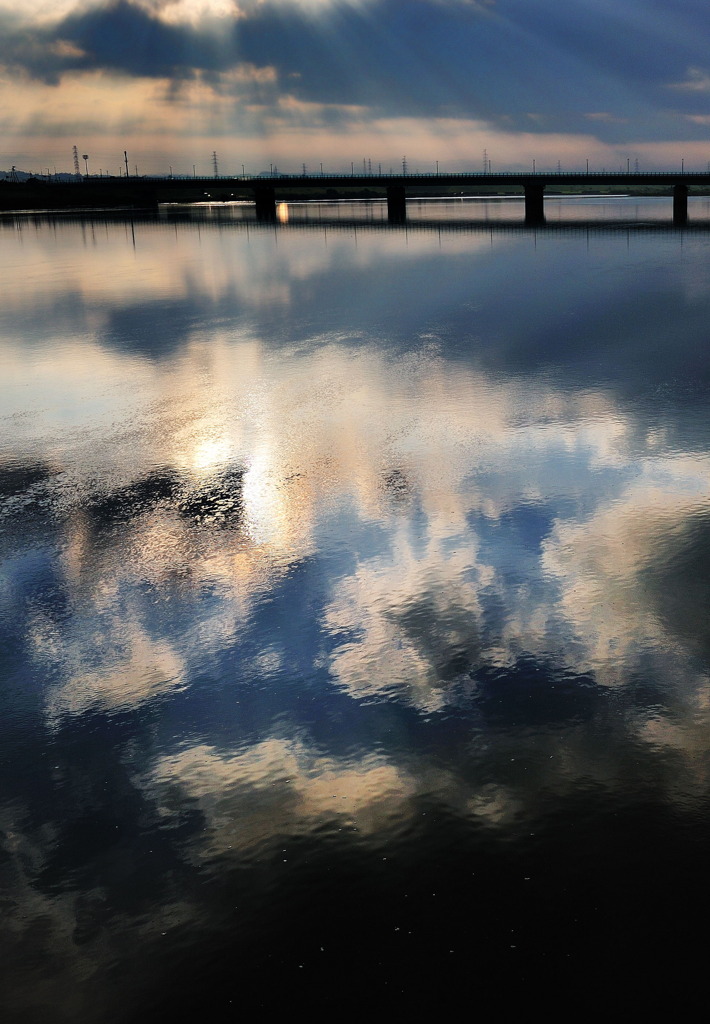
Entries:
{"x":278,"y":787}
{"x":603,"y":563}
{"x":698,"y":80}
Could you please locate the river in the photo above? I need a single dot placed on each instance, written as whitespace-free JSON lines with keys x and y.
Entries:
{"x":354,"y":635}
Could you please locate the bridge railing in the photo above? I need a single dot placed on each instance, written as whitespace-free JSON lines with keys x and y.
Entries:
{"x":433,"y":176}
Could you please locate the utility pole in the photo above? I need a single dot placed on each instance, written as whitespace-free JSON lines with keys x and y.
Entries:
{"x":125,"y":157}
{"x":215,"y":166}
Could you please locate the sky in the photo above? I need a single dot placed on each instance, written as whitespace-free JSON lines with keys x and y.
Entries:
{"x":337,"y":82}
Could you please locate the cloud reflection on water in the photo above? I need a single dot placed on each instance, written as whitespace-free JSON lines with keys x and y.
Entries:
{"x":427,"y":452}
{"x":312,"y":581}
{"x":418,"y":445}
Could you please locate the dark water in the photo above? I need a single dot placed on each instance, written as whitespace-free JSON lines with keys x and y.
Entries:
{"x":354,"y":639}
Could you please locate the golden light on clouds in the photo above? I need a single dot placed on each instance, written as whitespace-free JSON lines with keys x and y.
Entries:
{"x":318,"y":95}
{"x":191,"y":12}
{"x":43,"y":10}
{"x":165,"y":123}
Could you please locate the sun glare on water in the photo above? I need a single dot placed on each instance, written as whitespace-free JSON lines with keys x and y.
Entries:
{"x":209,"y":455}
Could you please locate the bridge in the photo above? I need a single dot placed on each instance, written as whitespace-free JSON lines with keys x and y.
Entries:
{"x":532,"y":186}
{"x":94,"y":192}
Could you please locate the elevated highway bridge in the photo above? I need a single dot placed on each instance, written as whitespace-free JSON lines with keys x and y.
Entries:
{"x":96,"y":192}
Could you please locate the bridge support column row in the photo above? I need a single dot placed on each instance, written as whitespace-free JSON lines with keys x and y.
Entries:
{"x":396,"y":204}
{"x":680,"y":204}
{"x":265,"y":199}
{"x":534,"y":206}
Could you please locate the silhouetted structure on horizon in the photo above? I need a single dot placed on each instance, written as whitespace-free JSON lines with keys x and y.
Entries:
{"x":146,"y":192}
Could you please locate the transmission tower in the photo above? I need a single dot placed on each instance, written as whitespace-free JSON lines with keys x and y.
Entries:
{"x":75,"y":151}
{"x":214,"y":164}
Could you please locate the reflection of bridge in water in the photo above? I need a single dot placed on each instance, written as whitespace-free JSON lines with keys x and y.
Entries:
{"x":468,"y":226}
{"x":325,"y":221}
{"x":266,"y":192}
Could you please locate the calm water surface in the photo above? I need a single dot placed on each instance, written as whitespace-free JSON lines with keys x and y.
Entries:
{"x":354,"y":643}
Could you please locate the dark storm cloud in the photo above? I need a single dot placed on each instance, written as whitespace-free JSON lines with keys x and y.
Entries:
{"x":586,"y":66}
{"x":119,"y":37}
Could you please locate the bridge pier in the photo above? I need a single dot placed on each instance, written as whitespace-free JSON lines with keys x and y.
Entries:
{"x":534,"y":205}
{"x":265,"y":200}
{"x":396,"y":204}
{"x":680,"y":203}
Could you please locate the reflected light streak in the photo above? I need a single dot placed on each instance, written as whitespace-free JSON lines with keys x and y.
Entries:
{"x":209,"y":454}
{"x":279,"y":511}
